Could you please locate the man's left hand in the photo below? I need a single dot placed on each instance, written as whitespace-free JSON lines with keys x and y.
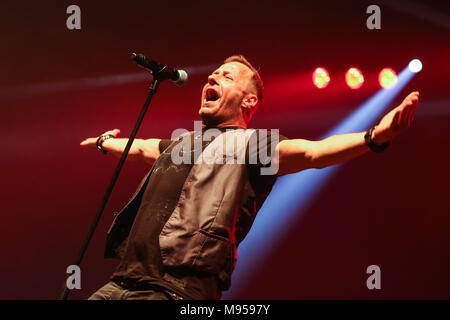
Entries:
{"x":397,"y":120}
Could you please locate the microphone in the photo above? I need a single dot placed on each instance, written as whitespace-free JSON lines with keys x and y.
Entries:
{"x":161,"y":71}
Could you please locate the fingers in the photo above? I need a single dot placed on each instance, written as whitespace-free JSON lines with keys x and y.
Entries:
{"x":114,"y":132}
{"x":396,"y":120}
{"x":407,"y":110}
{"x":90,"y":141}
{"x":411,"y":109}
{"x":413,"y":95}
{"x":413,"y":112}
{"x":411,"y":106}
{"x":403,"y":117}
{"x":411,"y":99}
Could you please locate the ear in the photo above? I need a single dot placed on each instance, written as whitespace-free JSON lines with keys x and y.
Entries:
{"x":249,"y":102}
{"x":248,"y":106}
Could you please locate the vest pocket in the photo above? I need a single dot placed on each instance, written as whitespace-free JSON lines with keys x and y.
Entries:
{"x":213,"y":252}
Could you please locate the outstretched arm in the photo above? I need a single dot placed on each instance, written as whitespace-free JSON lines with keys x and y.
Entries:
{"x":298,"y":154}
{"x":146,"y":150}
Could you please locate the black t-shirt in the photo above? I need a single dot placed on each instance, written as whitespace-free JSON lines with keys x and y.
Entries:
{"x":142,"y":262}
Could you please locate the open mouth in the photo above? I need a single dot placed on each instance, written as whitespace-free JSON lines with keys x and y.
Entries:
{"x":211,"y":95}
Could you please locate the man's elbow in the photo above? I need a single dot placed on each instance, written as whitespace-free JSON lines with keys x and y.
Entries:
{"x":316,"y":161}
{"x":295,"y":163}
{"x":149,"y":150}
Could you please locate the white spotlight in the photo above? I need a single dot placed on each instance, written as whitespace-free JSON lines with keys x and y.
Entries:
{"x":415,"y":65}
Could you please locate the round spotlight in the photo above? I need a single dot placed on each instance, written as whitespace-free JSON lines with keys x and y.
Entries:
{"x":354,"y":78}
{"x":320,"y":78}
{"x":387,"y":78}
{"x":415,"y":65}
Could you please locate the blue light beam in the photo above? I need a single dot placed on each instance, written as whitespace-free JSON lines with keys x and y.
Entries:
{"x":293,"y":193}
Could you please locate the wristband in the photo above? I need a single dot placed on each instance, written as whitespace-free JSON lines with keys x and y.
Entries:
{"x":102,"y":139}
{"x":372,"y":145}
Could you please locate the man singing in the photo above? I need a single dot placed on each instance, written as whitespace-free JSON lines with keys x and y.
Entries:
{"x":177,"y":237}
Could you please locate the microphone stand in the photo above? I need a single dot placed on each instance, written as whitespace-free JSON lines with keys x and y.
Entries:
{"x":151,"y":91}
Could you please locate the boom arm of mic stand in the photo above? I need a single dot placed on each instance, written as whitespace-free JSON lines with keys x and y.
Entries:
{"x":151,"y":91}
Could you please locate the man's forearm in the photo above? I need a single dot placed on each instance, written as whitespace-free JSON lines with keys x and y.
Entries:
{"x":337,"y":149}
{"x":141,"y":149}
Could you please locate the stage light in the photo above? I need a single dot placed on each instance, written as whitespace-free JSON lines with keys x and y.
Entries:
{"x":354,"y":78}
{"x":321,"y":78}
{"x":387,"y":78}
{"x":415,"y":65}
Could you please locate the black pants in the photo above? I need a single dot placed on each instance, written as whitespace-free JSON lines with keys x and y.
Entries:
{"x":114,"y":291}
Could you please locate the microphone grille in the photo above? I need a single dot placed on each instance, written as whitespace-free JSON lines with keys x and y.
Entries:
{"x":182,"y":77}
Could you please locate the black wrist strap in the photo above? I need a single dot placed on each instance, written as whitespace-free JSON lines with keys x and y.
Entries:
{"x":372,"y":145}
{"x":102,"y":139}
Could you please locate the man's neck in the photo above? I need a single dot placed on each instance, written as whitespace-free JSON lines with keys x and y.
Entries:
{"x":239,"y":124}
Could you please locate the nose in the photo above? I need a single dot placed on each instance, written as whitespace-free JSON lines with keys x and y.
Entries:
{"x":212,"y":80}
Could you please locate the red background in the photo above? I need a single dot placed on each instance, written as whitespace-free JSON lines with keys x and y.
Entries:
{"x":391,"y":210}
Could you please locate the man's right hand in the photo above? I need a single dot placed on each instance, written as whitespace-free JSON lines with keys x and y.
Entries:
{"x":93,"y":141}
{"x":145,"y":150}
